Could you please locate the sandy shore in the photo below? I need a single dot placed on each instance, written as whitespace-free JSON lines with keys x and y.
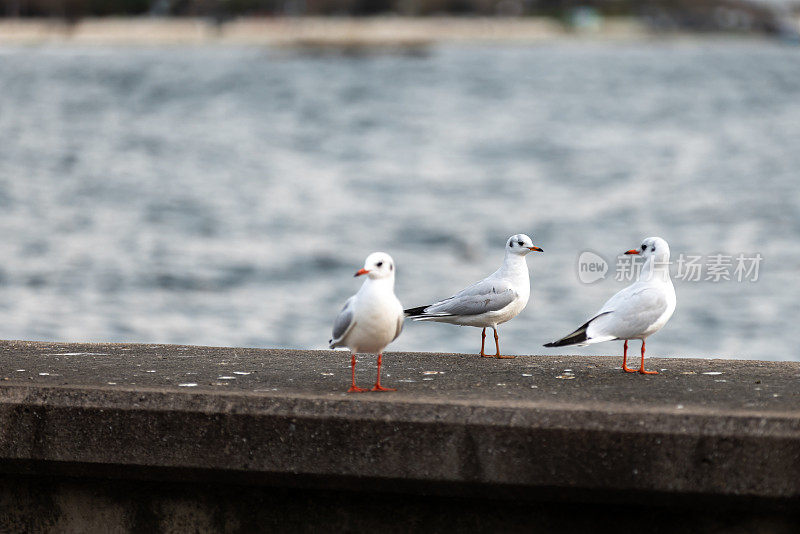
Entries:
{"x":308,"y":31}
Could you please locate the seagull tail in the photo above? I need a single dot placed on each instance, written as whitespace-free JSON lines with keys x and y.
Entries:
{"x":577,"y":337}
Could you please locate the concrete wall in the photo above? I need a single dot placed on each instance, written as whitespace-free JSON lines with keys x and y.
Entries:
{"x":111,"y":438}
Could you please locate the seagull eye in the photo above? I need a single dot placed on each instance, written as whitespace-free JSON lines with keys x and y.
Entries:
{"x":644,"y":247}
{"x":379,"y":264}
{"x":519,"y":243}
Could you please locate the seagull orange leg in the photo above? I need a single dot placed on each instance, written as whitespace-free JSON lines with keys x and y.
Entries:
{"x":378,"y":386}
{"x":625,"y":359}
{"x":641,"y":368}
{"x":497,"y":346}
{"x":483,"y":343}
{"x":354,"y":388}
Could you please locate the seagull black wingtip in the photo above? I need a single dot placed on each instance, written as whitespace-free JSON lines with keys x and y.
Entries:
{"x":413,"y":312}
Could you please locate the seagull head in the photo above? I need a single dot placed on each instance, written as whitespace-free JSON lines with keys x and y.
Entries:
{"x":652,"y":246}
{"x":377,"y":265}
{"x":521,"y":244}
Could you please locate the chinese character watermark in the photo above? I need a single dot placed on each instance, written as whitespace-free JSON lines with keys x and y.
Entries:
{"x":688,"y":267}
{"x":752,"y":271}
{"x":718,"y":268}
{"x":627,"y":268}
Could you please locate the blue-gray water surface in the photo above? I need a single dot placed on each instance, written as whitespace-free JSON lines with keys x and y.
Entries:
{"x":226,"y":196}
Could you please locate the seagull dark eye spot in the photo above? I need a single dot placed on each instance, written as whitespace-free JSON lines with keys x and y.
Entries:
{"x":379,"y":264}
{"x":519,"y":243}
{"x":644,"y":247}
{"x":391,"y":267}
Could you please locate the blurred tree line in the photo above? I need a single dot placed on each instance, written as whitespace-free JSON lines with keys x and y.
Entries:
{"x":693,"y":15}
{"x":231,"y":8}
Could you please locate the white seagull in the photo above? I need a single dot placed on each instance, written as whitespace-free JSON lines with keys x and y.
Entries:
{"x":372,"y":318}
{"x":638,"y":311}
{"x":494,"y":300}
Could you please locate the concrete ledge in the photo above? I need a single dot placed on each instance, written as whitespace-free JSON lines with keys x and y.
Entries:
{"x":537,"y":428}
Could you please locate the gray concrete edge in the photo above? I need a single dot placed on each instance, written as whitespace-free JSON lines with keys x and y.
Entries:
{"x":422,"y":445}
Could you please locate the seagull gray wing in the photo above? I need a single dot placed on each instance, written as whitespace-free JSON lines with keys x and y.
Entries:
{"x":343,"y":323}
{"x":485,"y":296}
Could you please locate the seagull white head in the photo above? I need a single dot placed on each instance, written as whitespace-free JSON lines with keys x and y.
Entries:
{"x":377,"y":265}
{"x":520,"y":244}
{"x":654,"y":247}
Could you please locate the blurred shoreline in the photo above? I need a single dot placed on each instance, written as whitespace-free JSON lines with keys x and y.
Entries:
{"x":320,"y":32}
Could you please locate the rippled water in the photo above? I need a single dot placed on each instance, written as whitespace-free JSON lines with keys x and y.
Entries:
{"x":226,"y":196}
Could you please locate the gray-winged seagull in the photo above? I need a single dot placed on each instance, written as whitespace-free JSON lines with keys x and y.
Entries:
{"x":372,"y":318}
{"x":494,"y":300}
{"x":636,"y":312}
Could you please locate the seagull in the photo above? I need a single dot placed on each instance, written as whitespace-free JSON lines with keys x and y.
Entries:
{"x":496,"y":299}
{"x":636,"y":312}
{"x":372,"y":318}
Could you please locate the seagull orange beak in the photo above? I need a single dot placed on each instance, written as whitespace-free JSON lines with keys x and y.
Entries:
{"x":360,"y":272}
{"x":537,"y":249}
{"x":632,"y":251}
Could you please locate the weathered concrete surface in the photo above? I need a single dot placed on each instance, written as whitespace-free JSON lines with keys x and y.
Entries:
{"x":460,"y":427}
{"x":752,"y":387}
